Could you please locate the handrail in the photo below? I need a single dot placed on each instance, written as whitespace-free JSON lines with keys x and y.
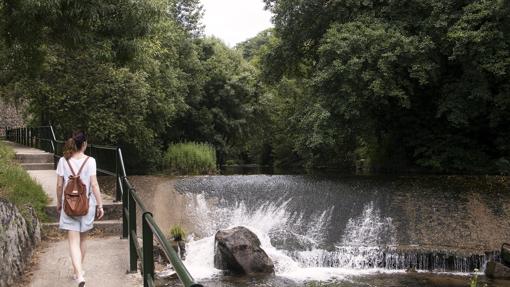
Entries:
{"x":179,"y":267}
{"x":126,"y":192}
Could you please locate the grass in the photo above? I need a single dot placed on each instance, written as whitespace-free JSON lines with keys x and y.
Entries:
{"x":17,"y":186}
{"x":190,"y":159}
{"x":178,"y":233}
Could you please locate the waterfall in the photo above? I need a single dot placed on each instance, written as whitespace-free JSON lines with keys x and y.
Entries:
{"x":297,"y":242}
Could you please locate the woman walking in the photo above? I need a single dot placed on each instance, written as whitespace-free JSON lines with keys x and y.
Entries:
{"x":74,"y":167}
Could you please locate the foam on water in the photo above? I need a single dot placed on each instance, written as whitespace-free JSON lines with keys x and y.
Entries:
{"x":357,"y":253}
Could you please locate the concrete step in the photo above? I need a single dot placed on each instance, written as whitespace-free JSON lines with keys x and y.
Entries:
{"x":101,"y":227}
{"x":112,"y":211}
{"x":37,"y":166}
{"x":34,"y":157}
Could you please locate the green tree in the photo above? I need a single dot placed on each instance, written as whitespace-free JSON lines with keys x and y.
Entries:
{"x":404,"y":83}
{"x":222,"y":101}
{"x":251,"y":48}
{"x":110,"y":67}
{"x":189,"y":14}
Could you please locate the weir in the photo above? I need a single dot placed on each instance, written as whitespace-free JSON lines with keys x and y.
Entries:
{"x":323,"y":225}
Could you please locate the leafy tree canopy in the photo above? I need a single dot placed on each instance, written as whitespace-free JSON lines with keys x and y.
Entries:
{"x":407,"y":83}
{"x":115,"y":68}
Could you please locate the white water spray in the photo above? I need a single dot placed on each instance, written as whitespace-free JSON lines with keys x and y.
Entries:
{"x":273,"y":222}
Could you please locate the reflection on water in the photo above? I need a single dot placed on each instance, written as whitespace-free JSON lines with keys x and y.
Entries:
{"x":348,"y":231}
{"x":370,"y":280}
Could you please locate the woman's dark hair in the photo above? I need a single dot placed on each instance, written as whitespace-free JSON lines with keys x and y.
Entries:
{"x":74,"y":143}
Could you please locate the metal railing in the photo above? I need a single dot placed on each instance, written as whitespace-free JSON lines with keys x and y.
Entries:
{"x":38,"y":137}
{"x":110,"y":161}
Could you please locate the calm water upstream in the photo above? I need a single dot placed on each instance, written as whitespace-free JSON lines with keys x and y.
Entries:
{"x":341,"y":231}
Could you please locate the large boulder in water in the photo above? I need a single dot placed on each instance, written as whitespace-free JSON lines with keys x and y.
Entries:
{"x":497,"y":270}
{"x":238,"y":250}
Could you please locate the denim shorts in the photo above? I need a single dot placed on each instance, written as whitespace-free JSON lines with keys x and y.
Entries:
{"x":78,"y":223}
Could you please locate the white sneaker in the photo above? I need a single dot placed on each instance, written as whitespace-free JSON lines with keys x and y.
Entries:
{"x":76,"y":277}
{"x":81,"y":281}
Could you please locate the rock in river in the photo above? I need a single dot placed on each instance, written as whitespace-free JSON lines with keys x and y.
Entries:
{"x":238,"y":250}
{"x":497,"y":270}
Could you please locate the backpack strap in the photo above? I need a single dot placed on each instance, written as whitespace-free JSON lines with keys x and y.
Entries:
{"x":72,"y":170}
{"x":79,"y":171}
{"x":82,"y":165}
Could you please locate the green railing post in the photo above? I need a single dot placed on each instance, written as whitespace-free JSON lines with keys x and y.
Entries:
{"x":148,"y":251}
{"x":132,"y":231}
{"x":55,"y":157}
{"x":124,"y":190}
{"x":183,"y":274}
{"x":125,"y":227}
{"x":39,"y":141}
{"x":117,"y":186}
{"x":36,"y":137}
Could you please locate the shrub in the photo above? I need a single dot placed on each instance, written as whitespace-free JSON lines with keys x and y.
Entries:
{"x":17,"y":186}
{"x":190,"y":158}
{"x":178,"y":233}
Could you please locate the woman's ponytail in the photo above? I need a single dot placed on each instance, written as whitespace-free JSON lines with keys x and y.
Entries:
{"x":74,"y":144}
{"x":69,"y":148}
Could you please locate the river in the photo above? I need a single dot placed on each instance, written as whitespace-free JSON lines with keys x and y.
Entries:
{"x":341,"y":230}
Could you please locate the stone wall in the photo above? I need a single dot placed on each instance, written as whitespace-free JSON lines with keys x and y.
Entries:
{"x":19,"y":235}
{"x":10,"y":116}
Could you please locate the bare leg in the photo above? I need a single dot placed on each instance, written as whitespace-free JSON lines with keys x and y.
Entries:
{"x":75,"y":251}
{"x":83,"y":245}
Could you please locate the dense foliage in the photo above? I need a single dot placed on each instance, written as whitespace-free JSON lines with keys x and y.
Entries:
{"x":136,"y":74}
{"x":399,"y":85}
{"x":222,"y":102}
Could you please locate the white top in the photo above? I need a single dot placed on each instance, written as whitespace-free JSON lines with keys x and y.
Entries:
{"x":88,"y":170}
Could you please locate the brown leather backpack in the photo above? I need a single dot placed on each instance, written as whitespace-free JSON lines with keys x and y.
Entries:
{"x":76,"y":202}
